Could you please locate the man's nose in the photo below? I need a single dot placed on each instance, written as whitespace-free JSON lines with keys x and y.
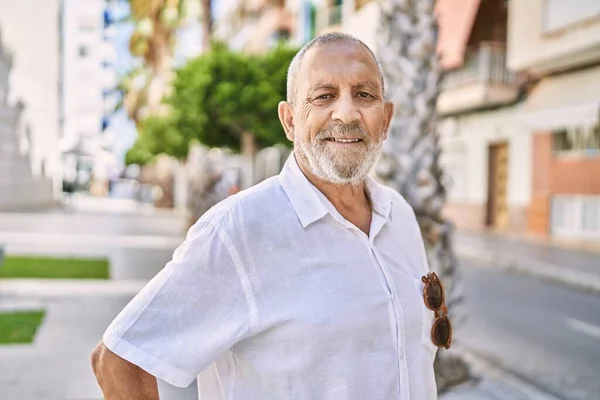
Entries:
{"x":345,"y":110}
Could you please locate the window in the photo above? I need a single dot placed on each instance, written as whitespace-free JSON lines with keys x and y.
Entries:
{"x":83,"y":51}
{"x":576,"y":216}
{"x":577,"y":142}
{"x":557,"y":14}
{"x":89,"y":23}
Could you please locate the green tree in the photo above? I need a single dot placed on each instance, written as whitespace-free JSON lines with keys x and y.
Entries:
{"x":223,"y":95}
{"x":218,"y":98}
{"x":158,"y":135}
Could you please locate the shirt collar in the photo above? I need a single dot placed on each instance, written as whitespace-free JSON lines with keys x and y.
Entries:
{"x":381,"y":201}
{"x":311,"y":205}
{"x":301,"y":193}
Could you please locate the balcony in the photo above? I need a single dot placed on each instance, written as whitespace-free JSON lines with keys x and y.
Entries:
{"x":483,"y":81}
{"x":329,"y":19}
{"x":274,"y":22}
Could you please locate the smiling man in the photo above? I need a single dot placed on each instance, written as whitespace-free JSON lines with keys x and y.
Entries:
{"x":306,"y":286}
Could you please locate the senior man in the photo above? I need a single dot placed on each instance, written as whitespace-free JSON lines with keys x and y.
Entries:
{"x":310,"y":285}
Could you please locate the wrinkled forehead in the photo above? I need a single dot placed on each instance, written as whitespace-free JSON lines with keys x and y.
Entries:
{"x":338,"y":65}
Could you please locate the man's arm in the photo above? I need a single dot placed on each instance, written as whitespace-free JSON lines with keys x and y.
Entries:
{"x":120,"y":379}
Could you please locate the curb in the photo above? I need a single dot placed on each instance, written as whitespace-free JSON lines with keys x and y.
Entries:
{"x":490,"y":369}
{"x":546,"y":271}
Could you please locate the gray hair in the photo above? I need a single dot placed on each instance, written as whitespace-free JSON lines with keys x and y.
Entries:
{"x":333,"y":37}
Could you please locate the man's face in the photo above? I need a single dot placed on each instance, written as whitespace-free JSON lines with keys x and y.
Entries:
{"x":339,"y":119}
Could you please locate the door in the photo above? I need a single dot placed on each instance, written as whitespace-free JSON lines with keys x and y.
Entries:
{"x":497,"y":207}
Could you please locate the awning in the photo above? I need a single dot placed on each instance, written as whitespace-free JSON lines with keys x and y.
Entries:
{"x":455,"y":25}
{"x":570,"y":100}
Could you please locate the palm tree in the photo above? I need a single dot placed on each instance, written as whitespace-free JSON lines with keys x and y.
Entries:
{"x":153,"y":40}
{"x":207,"y":23}
{"x":409,"y":163}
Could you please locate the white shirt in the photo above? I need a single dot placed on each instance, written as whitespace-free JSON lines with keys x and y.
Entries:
{"x":274,"y":295}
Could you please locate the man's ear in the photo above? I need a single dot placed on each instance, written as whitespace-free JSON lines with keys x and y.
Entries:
{"x":388,"y":111}
{"x":286,"y":116}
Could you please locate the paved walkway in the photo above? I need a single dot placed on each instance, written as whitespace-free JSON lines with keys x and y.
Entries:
{"x":56,"y":366}
{"x":577,"y":268}
{"x":138,"y":242}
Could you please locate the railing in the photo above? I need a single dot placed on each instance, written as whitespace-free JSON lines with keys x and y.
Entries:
{"x":328,"y":17}
{"x":486,"y":64}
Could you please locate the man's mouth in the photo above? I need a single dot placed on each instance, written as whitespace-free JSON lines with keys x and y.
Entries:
{"x":343,"y":140}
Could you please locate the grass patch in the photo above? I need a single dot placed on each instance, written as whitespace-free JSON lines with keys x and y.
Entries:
{"x":19,"y":327}
{"x":54,"y":268}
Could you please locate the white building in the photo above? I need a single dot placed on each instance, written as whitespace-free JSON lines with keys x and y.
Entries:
{"x":30,"y":34}
{"x":88,"y":58}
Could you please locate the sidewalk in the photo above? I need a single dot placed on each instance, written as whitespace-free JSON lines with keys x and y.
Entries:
{"x":495,"y":384}
{"x":546,"y":260}
{"x":57,"y":365}
{"x":137,"y":242}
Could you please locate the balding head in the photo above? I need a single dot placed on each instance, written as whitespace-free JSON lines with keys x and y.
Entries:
{"x":329,"y":38}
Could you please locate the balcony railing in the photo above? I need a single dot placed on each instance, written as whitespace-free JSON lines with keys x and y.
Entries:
{"x":328,"y":17}
{"x":486,"y":64}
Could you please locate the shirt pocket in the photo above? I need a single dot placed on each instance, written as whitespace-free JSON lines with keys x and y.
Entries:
{"x":427,"y":320}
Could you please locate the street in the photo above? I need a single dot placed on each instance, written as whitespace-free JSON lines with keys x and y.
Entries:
{"x":543,"y":332}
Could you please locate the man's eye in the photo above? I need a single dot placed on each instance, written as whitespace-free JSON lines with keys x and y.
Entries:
{"x":324,"y":97}
{"x":364,"y":95}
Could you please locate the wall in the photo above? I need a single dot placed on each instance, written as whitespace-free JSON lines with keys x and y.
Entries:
{"x":30,"y":31}
{"x":363,"y":24}
{"x":530,"y":47}
{"x":563,"y":175}
{"x":555,"y":175}
{"x":465,"y":150}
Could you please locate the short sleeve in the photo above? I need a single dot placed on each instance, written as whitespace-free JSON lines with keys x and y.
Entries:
{"x":188,"y":315}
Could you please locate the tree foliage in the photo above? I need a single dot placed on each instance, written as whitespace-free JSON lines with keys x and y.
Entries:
{"x":223,"y":93}
{"x":156,"y":135}
{"x":216,"y":97}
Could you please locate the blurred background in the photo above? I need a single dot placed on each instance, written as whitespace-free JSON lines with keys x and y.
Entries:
{"x":122,"y":122}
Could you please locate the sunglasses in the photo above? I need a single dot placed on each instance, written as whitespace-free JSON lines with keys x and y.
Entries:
{"x":435,"y":300}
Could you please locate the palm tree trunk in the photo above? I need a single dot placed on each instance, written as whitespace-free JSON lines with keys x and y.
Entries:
{"x":207,"y":24}
{"x":410,"y":159}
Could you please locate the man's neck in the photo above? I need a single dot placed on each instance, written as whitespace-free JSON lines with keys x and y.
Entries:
{"x":345,"y":198}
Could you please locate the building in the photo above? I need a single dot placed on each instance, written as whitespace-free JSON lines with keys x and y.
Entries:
{"x":88,"y":72}
{"x":558,"y":45}
{"x":31,"y":171}
{"x":254,"y":25}
{"x":520,"y":130}
{"x":486,"y":150}
{"x":55,"y":68}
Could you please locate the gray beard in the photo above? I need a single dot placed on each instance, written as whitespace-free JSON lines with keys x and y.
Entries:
{"x":338,"y":167}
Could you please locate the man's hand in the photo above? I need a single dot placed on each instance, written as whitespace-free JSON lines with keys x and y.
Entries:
{"x":119,"y":379}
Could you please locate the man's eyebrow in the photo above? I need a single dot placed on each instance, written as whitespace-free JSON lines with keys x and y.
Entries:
{"x":357,"y":85}
{"x":368,"y":84}
{"x":321,"y":86}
